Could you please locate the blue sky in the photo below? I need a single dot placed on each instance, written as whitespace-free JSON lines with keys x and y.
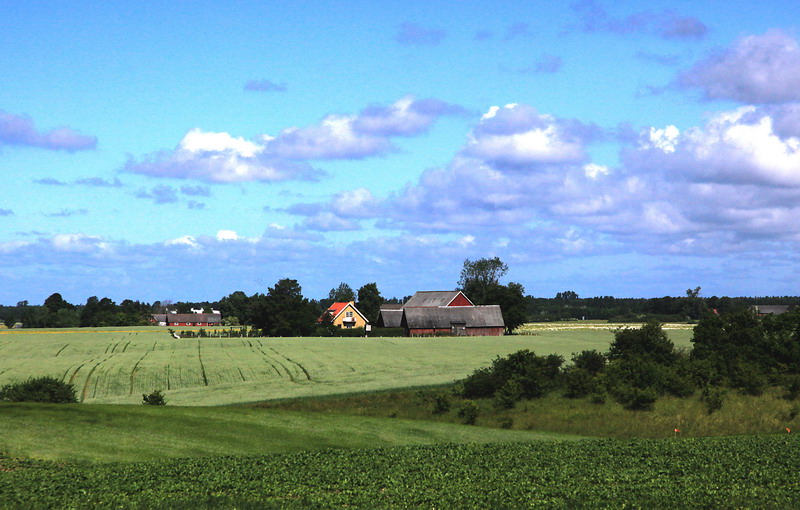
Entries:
{"x":165,"y":150}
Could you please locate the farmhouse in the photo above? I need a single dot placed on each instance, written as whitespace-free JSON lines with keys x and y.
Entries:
{"x":346,"y":315}
{"x":486,"y":320}
{"x":186,"y":319}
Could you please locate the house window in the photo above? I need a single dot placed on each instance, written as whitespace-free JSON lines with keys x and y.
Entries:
{"x":348,"y":314}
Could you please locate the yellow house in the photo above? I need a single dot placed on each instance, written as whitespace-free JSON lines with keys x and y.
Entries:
{"x":346,"y":315}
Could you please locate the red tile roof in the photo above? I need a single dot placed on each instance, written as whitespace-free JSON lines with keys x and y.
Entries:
{"x":335,"y":309}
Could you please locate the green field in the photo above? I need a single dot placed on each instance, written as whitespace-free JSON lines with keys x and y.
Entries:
{"x":114,"y":433}
{"x":737,"y":472}
{"x":116,"y":366}
{"x":345,"y":443}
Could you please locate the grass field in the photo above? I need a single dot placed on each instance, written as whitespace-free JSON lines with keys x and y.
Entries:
{"x":119,"y":365}
{"x":358,"y":449}
{"x":128,"y":433}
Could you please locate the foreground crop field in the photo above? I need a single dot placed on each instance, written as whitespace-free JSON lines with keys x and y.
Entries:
{"x":736,"y":472}
{"x":119,"y":365}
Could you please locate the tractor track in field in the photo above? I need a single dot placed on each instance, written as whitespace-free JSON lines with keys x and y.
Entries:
{"x":267,"y":359}
{"x":301,"y":367}
{"x":169,"y":364}
{"x":135,"y":367}
{"x":126,"y":346}
{"x":59,"y":351}
{"x":88,"y":381}
{"x":72,"y":377}
{"x":237,"y":366}
{"x":202,"y":366}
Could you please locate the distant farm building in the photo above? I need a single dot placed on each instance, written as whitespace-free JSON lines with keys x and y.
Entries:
{"x":429,"y":313}
{"x":345,"y":315}
{"x":186,"y":319}
{"x":390,"y":315}
{"x":486,"y":320}
{"x":762,"y":310}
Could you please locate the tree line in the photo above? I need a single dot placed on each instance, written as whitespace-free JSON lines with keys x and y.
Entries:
{"x":283,"y":310}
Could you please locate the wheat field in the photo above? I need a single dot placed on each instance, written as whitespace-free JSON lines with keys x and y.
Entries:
{"x":118,"y":365}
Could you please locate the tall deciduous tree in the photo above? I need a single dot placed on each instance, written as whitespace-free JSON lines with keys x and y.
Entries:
{"x":480,"y":281}
{"x":511,"y":299}
{"x":283,"y":311}
{"x":370,"y":301}
{"x":342,"y":294}
{"x":478,"y":275}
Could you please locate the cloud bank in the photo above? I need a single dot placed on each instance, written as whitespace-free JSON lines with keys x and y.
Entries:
{"x":20,"y":130}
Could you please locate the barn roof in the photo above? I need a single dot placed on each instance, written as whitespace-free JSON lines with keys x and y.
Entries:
{"x":390,"y":317}
{"x":433,"y":298}
{"x":441,"y":317}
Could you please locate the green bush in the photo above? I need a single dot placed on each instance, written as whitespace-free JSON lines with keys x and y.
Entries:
{"x":441,"y":404}
{"x":468,"y":412}
{"x":713,"y":397}
{"x":481,"y":384}
{"x":154,"y":399}
{"x":749,"y":379}
{"x":536,"y":375}
{"x":579,"y":382}
{"x":792,"y":388}
{"x":508,"y":395}
{"x":39,"y":389}
{"x":637,"y":399}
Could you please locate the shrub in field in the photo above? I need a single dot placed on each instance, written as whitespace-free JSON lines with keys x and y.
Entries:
{"x":749,"y":379}
{"x":637,"y":399}
{"x":39,"y":389}
{"x":154,"y":399}
{"x":481,"y":384}
{"x":590,"y":360}
{"x":713,"y":397}
{"x":582,"y":377}
{"x":579,"y":382}
{"x":792,"y":388}
{"x":468,"y":412}
{"x":535,"y":375}
{"x":599,"y":395}
{"x":441,"y":404}
{"x":508,"y":394}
